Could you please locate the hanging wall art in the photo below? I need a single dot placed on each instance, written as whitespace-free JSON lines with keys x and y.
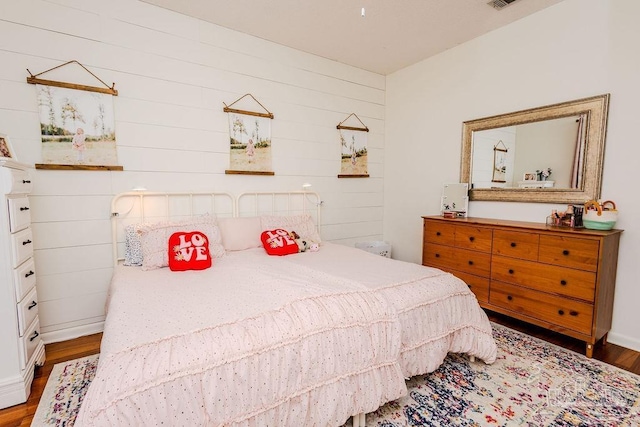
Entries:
{"x":77,"y":124}
{"x":499,"y":162}
{"x":249,"y":140}
{"x":353,"y":145}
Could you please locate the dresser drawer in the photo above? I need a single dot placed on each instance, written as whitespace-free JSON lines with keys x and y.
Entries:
{"x":27,"y":311}
{"x":22,"y":245}
{"x":474,"y":238}
{"x":447,"y":258}
{"x":546,"y":278}
{"x":29,"y":343}
{"x":15,"y":181}
{"x":516,"y":244}
{"x":439,"y":232}
{"x":478,"y":285}
{"x":19,"y":213}
{"x":24,"y":278}
{"x":564,"y":312}
{"x":569,"y":252}
{"x":439,"y":256}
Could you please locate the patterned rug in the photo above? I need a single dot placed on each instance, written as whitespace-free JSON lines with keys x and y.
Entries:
{"x":532,"y":383}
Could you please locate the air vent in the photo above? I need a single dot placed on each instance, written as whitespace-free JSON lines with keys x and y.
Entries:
{"x":499,"y":4}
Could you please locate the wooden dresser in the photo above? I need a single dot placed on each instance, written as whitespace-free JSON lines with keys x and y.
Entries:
{"x":559,"y":278}
{"x":22,"y":346}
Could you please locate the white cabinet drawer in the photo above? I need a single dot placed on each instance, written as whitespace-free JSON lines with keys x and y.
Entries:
{"x":27,"y":311}
{"x":22,"y":245}
{"x":16,"y":181}
{"x":19,"y":213}
{"x":24,"y":277}
{"x":29,"y":342}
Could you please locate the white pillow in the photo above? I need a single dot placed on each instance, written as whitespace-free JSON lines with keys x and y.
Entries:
{"x":301,"y":224}
{"x":240,"y":233}
{"x":154,"y":239}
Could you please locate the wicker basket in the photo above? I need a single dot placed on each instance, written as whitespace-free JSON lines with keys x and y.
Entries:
{"x":600,"y":216}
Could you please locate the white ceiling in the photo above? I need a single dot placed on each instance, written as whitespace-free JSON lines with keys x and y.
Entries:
{"x":392,"y":35}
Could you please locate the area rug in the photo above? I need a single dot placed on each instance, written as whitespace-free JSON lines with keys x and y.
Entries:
{"x":532,"y":383}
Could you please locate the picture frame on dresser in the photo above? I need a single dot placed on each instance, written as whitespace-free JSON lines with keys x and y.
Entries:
{"x":6,"y":150}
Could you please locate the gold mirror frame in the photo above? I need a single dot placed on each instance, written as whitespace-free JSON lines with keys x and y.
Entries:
{"x":596,"y":109}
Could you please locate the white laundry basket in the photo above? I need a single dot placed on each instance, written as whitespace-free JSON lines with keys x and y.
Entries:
{"x":377,"y":247}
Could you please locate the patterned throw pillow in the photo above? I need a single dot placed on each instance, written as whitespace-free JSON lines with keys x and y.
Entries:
{"x":132,"y":245}
{"x":189,"y":251}
{"x":278,"y":242}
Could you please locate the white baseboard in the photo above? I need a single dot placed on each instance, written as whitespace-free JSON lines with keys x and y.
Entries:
{"x":623,"y":341}
{"x":13,"y":391}
{"x":71,"y":333}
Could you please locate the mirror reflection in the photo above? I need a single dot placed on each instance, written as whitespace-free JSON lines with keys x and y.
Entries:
{"x":545,"y":154}
{"x":550,"y":154}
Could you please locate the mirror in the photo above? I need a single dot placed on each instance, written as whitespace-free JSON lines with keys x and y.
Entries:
{"x":455,"y":200}
{"x":550,"y":154}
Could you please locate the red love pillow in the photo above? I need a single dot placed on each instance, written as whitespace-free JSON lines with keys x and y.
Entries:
{"x":278,"y":242}
{"x":189,"y":251}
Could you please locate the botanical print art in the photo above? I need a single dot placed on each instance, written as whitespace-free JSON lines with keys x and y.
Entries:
{"x":77,"y":127}
{"x":354,"y":152}
{"x":249,"y":143}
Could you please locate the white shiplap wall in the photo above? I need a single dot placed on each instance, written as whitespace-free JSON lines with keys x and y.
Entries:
{"x":173,"y":74}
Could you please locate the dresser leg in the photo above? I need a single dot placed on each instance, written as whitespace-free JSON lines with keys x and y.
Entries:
{"x":589,"y":350}
{"x":604,"y":339}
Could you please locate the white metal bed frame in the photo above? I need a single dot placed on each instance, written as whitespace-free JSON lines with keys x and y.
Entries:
{"x":142,"y":206}
{"x":246,"y":204}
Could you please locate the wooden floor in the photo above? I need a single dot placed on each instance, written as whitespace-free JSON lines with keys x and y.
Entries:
{"x":21,"y":415}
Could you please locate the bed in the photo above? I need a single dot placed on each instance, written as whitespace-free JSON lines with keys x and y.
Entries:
{"x":305,"y":339}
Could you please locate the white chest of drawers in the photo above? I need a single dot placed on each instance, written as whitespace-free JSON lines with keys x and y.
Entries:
{"x":22,"y":346}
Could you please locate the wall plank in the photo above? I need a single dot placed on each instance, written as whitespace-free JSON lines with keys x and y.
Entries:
{"x":173,"y":74}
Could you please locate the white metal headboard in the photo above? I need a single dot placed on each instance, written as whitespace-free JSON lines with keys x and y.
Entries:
{"x":280,"y":203}
{"x":139,"y":207}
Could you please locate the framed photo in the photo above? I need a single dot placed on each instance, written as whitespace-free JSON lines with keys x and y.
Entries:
{"x":6,"y":151}
{"x":530,"y":177}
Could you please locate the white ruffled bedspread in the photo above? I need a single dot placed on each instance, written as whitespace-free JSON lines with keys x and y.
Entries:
{"x":438,"y":312}
{"x":306,"y":340}
{"x":250,"y":342}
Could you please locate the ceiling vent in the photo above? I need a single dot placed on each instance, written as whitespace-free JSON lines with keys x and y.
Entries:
{"x":499,"y":4}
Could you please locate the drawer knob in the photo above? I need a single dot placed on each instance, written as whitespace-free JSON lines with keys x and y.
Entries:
{"x":561,"y":312}
{"x":509,"y":297}
{"x":26,"y":181}
{"x":30,"y":273}
{"x":33,"y":304}
{"x":471,"y":238}
{"x":24,"y":209}
{"x":470,"y":262}
{"x":511,"y":271}
{"x":35,"y":335}
{"x":573,"y":313}
{"x":563,"y":282}
{"x":437,"y":255}
{"x":565,"y":252}
{"x":513,"y":244}
{"x":26,"y":242}
{"x":437,"y":233}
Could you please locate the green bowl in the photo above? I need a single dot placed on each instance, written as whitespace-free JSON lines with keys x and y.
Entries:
{"x":598,"y":225}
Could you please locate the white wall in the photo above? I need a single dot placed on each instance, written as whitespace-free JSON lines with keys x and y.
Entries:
{"x":575,"y":49}
{"x":173,"y":74}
